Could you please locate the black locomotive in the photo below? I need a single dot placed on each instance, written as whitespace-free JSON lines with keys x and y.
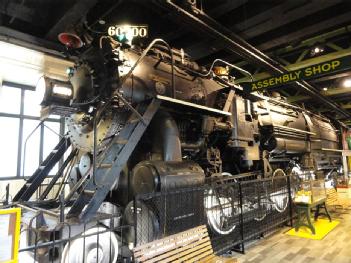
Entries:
{"x":151,"y":120}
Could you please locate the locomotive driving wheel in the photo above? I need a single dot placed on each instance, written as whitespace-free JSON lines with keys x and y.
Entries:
{"x":280,"y":194}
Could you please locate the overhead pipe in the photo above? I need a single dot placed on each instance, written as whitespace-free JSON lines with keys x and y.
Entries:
{"x":240,"y":47}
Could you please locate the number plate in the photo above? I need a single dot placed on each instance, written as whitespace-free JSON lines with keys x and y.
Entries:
{"x":135,"y":30}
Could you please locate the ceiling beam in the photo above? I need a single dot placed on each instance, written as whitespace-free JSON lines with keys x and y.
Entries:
{"x":332,"y":77}
{"x":328,"y":93}
{"x":216,"y":12}
{"x":225,"y":8}
{"x":18,"y":38}
{"x":70,"y":18}
{"x":345,"y":106}
{"x":18,"y":11}
{"x":304,"y":44}
{"x":280,"y":19}
{"x":306,"y":31}
{"x":200,"y":50}
{"x":205,"y":24}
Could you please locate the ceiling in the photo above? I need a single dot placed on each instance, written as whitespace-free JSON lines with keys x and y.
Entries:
{"x":284,"y":30}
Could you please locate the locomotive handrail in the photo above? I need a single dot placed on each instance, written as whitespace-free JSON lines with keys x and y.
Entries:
{"x":228,"y":64}
{"x":293,"y":129}
{"x":28,"y":137}
{"x":25,"y":145}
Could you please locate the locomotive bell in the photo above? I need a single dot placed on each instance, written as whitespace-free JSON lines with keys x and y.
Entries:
{"x":221,"y":71}
{"x":70,"y":40}
{"x":71,"y":37}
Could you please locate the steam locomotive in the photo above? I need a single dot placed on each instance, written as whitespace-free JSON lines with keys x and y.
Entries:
{"x":143,"y":121}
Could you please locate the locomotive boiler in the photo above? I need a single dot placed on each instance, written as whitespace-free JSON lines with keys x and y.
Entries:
{"x":298,"y":136}
{"x":151,"y":120}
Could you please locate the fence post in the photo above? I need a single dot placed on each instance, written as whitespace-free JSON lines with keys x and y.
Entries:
{"x":135,"y":220}
{"x":290,"y":200}
{"x":7,"y":196}
{"x":62,"y":207}
{"x":241,"y":220}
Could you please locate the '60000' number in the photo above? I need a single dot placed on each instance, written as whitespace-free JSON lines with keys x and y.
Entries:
{"x":136,"y":31}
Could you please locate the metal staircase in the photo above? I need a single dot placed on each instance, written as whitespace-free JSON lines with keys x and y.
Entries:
{"x":110,"y":164}
{"x":34,"y":182}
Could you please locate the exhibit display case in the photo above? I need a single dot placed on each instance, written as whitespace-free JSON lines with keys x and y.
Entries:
{"x":311,"y":191}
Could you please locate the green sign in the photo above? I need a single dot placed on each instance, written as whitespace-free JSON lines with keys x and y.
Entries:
{"x":310,"y":72}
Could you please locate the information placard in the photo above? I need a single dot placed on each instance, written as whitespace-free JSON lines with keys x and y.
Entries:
{"x":9,"y":234}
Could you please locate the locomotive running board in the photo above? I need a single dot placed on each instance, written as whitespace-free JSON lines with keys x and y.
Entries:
{"x":110,"y":165}
{"x":188,"y":105}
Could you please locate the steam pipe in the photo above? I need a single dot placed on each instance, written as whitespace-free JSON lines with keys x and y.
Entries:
{"x":166,"y":140}
{"x":275,"y":144}
{"x":193,"y":146}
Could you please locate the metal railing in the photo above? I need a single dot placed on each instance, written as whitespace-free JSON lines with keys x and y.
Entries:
{"x":235,"y":211}
{"x":69,"y":242}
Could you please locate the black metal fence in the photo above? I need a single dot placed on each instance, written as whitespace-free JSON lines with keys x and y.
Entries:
{"x":99,"y":240}
{"x":235,"y":211}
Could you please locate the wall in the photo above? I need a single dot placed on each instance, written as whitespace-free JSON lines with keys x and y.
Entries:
{"x":24,"y":66}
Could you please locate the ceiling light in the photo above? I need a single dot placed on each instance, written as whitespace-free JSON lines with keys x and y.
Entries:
{"x":347,"y":83}
{"x":325,"y":89}
{"x":317,"y":50}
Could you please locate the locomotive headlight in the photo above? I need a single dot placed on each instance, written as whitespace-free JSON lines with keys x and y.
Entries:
{"x":57,"y":92}
{"x":62,"y":91}
{"x":129,"y":33}
{"x":125,"y":34}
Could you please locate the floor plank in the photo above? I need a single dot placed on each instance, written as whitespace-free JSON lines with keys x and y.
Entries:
{"x":335,"y":247}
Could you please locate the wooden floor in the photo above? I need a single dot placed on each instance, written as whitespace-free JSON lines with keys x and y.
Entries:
{"x":279,"y":247}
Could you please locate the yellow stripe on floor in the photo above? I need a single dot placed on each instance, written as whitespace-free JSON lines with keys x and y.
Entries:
{"x":322,"y":226}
